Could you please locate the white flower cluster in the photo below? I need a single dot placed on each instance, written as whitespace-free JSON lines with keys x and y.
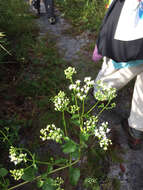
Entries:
{"x":17,"y":174}
{"x":69,"y":72}
{"x":104,"y":92}
{"x":73,"y":109}
{"x":81,"y":92}
{"x":52,"y":133}
{"x":61,"y":101}
{"x":15,"y":156}
{"x":90,"y":124}
{"x":100,"y":133}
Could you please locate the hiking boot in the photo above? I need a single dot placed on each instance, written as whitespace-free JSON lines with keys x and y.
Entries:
{"x":134,"y":136}
{"x":52,"y":20}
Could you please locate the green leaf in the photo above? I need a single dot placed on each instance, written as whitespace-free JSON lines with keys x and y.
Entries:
{"x":48,"y":184}
{"x":75,"y":122}
{"x":61,"y":161}
{"x":75,"y":154}
{"x":29,"y":174}
{"x":40,"y":183}
{"x":75,"y":116}
{"x":96,"y":187}
{"x":84,"y":137}
{"x":44,"y":176}
{"x":69,"y":147}
{"x":49,"y":169}
{"x":3,"y":172}
{"x":74,"y":174}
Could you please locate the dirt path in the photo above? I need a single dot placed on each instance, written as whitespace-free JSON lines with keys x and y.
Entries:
{"x":71,"y":48}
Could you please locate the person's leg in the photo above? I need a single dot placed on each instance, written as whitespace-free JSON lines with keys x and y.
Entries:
{"x":49,"y":6}
{"x":136,"y":115}
{"x":38,"y":6}
{"x":116,"y":78}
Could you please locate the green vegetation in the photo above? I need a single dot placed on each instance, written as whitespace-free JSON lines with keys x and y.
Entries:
{"x":83,"y":14}
{"x":32,"y":72}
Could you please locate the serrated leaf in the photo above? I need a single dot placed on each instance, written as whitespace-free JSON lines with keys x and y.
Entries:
{"x":3,"y":172}
{"x":74,"y":175}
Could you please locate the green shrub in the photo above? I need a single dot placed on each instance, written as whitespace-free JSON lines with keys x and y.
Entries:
{"x":15,"y":17}
{"x":86,"y":14}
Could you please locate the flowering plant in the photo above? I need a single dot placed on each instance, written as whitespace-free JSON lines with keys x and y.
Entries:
{"x":86,"y":124}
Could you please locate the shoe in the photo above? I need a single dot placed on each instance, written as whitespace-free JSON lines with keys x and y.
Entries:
{"x":52,"y":20}
{"x":134,"y":136}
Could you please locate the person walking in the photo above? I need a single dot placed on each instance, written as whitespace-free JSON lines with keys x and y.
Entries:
{"x":49,"y":7}
{"x":123,"y":60}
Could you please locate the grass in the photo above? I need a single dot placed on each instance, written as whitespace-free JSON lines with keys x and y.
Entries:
{"x":83,"y":14}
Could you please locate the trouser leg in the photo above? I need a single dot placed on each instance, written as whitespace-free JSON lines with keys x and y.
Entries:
{"x":49,"y":6}
{"x":38,"y":6}
{"x":116,"y":78}
{"x":136,"y":115}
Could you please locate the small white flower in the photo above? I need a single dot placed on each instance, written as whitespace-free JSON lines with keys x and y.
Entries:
{"x":17,"y":174}
{"x":17,"y":156}
{"x":78,"y":82}
{"x":86,"y":79}
{"x":69,"y":72}
{"x":61,"y":101}
{"x":70,"y":87}
{"x":104,"y":92}
{"x":100,"y":133}
{"x":53,"y":133}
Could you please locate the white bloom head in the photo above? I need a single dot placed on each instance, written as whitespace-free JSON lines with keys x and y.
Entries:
{"x":69,"y":72}
{"x":52,"y":133}
{"x":61,"y":101}
{"x":17,"y":156}
{"x":100,"y":133}
{"x":104,"y":92}
{"x":17,"y":174}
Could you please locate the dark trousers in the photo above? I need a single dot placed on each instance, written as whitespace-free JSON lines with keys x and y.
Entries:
{"x":49,"y":6}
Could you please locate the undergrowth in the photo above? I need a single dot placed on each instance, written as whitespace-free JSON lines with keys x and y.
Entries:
{"x":83,"y":14}
{"x":31,"y":73}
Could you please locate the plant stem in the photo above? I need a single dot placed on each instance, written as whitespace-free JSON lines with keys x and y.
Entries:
{"x":41,"y":162}
{"x":75,"y":98}
{"x":103,"y":108}
{"x":5,"y":49}
{"x":6,"y":137}
{"x":81,"y":118}
{"x":93,"y":107}
{"x":56,"y":170}
{"x":64,"y":122}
